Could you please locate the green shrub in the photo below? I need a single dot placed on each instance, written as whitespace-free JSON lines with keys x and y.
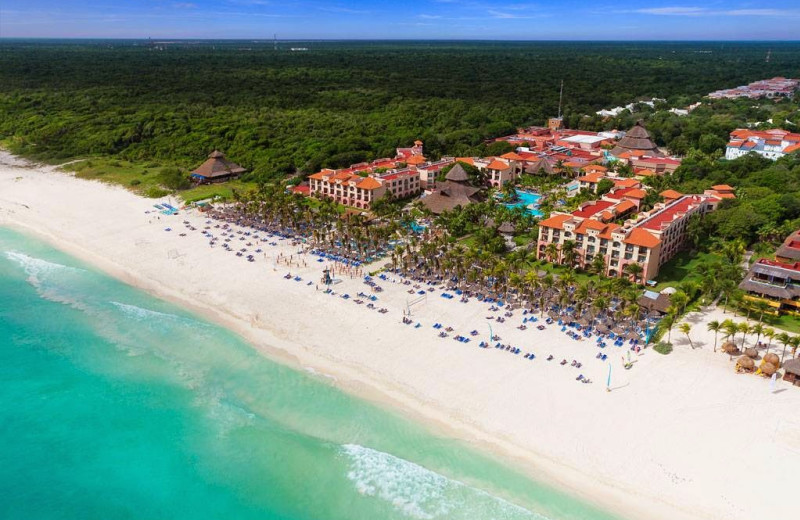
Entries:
{"x":663,"y":347}
{"x":135,"y":182}
{"x":154,"y":192}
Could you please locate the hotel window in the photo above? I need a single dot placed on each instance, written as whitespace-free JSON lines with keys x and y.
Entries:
{"x":642,"y":259}
{"x":628,"y":256}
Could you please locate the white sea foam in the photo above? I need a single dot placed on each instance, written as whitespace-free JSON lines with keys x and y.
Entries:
{"x":151,"y":316}
{"x":46,"y":278}
{"x":420,"y":493}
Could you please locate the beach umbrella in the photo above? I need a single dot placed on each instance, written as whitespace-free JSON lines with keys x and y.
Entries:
{"x":768,"y":369}
{"x":751,"y":352}
{"x":773,"y":359}
{"x":633,"y":335}
{"x":602,"y":328}
{"x":619,"y":329}
{"x":745,"y":363}
{"x":553,"y":314}
{"x":729,"y":347}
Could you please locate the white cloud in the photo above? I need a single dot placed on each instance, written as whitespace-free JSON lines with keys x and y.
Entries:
{"x":674,"y":11}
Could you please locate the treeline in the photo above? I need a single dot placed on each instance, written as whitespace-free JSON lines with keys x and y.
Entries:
{"x":282,"y":112}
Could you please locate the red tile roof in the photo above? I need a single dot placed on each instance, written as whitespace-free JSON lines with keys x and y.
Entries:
{"x":592,"y":208}
{"x":497,"y":165}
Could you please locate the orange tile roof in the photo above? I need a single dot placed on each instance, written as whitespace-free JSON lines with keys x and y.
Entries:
{"x":595,"y":168}
{"x":606,"y":215}
{"x":626,"y":183}
{"x":320,"y":176}
{"x":722,"y":187}
{"x":368,"y":183}
{"x":624,"y":206}
{"x":511,"y":156}
{"x":646,"y":172}
{"x":497,"y":165}
{"x":671,"y":194}
{"x":610,"y":229}
{"x":640,"y":237}
{"x":556,"y":221}
{"x":590,"y":224}
{"x":591,"y":178}
{"x":633,"y":193}
{"x":724,"y":195}
{"x":793,"y":148}
{"x":466,"y":160}
{"x":415,"y":159}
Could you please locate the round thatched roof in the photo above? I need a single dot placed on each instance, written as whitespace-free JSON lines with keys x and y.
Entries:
{"x":768,"y":369}
{"x":729,"y":346}
{"x":457,"y":174}
{"x":773,"y":359}
{"x":751,"y":352}
{"x":745,"y":362}
{"x":792,"y":366}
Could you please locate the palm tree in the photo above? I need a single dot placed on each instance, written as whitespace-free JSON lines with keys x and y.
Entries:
{"x":551,"y":252}
{"x":634,"y":270}
{"x":679,"y":299}
{"x":730,"y":328}
{"x":769,"y":334}
{"x":686,"y":328}
{"x":668,"y":321}
{"x":784,"y":339}
{"x":714,"y":326}
{"x":569,"y":253}
{"x":744,"y":328}
{"x":757,"y":329}
{"x":794,"y":342}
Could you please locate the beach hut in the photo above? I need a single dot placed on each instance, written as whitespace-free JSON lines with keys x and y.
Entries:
{"x":773,"y":359}
{"x":216,"y":169}
{"x":791,"y":371}
{"x":745,"y":364}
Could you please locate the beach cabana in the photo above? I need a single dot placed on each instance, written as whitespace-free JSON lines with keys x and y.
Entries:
{"x":791,"y":371}
{"x":768,"y":369}
{"x":745,"y":364}
{"x":773,"y":359}
{"x":216,"y":169}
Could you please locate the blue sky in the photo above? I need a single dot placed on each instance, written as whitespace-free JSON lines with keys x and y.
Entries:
{"x":405,"y":19}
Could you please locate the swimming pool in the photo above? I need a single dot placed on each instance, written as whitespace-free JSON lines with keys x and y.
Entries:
{"x":529,"y":201}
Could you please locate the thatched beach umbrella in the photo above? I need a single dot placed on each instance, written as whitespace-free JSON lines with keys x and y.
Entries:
{"x":602,"y":329}
{"x":729,"y":347}
{"x":773,"y":359}
{"x":553,"y":314}
{"x":751,"y":352}
{"x":633,"y":335}
{"x":792,"y":366}
{"x":745,"y":363}
{"x":619,"y":329}
{"x":768,"y":369}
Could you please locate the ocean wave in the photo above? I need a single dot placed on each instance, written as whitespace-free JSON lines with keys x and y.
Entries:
{"x":150,"y":316}
{"x":420,"y":493}
{"x":50,"y":279}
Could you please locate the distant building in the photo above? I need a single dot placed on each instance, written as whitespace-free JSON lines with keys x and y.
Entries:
{"x":772,"y":144}
{"x":769,"y":88}
{"x":454,"y":192}
{"x":216,"y":169}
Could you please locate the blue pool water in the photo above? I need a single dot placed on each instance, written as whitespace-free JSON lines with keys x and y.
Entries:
{"x":526,"y":198}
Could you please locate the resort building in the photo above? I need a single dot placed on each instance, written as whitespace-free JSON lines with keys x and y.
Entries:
{"x":656,"y":165}
{"x":216,"y":169}
{"x":360,"y":191}
{"x":777,"y":282}
{"x":772,"y":144}
{"x":650,"y":239}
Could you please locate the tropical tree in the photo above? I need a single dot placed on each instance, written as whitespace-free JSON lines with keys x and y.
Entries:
{"x":714,"y":326}
{"x":634,"y":270}
{"x":685,"y":328}
{"x":744,"y":328}
{"x":785,"y":340}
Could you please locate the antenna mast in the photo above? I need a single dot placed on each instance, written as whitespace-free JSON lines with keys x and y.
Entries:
{"x":560,"y":98}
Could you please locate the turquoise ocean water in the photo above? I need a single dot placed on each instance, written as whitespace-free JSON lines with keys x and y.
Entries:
{"x":116,"y":405}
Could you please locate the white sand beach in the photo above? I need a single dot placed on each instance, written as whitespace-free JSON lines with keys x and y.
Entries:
{"x":677,"y":437}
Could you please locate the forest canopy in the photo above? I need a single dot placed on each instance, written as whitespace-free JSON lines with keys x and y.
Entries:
{"x":280,"y":112}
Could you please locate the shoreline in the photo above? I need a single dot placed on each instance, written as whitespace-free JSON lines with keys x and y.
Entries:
{"x":498,"y":432}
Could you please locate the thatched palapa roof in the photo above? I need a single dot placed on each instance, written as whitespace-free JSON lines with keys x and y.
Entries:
{"x":457,"y":174}
{"x":792,"y":366}
{"x":218,"y":166}
{"x":637,"y":139}
{"x":745,"y":363}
